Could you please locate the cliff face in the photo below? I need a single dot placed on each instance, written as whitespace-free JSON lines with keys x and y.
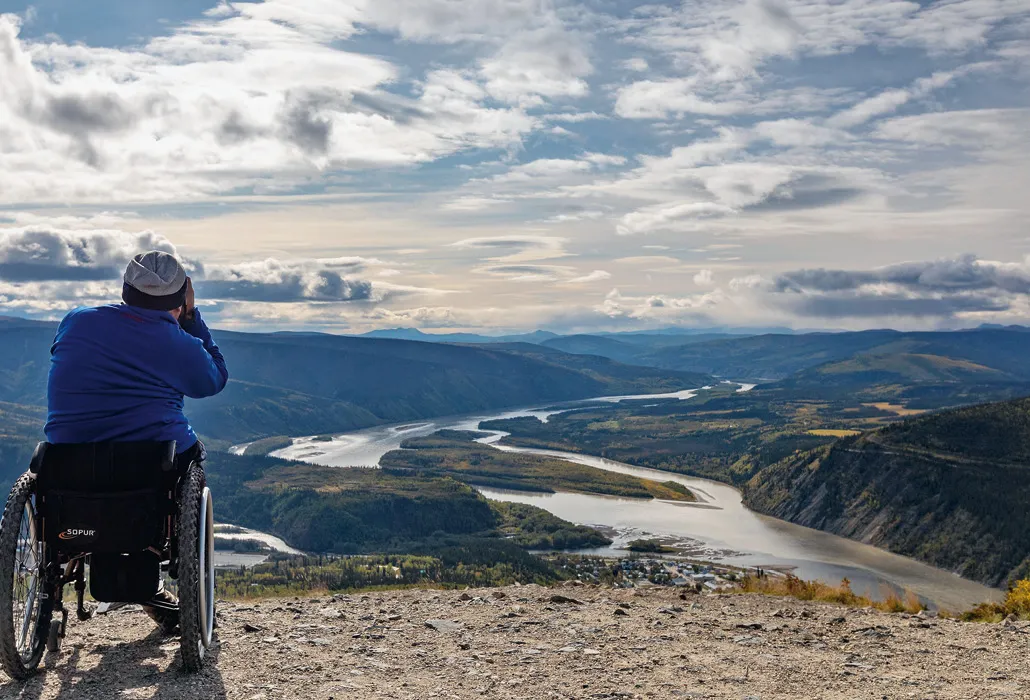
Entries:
{"x":932,"y":488}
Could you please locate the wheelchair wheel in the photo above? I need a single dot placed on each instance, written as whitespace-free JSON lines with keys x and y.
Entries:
{"x":25,"y":609}
{"x":196,"y":569}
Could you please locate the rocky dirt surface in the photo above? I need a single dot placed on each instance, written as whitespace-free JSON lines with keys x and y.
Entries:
{"x":534,"y":642}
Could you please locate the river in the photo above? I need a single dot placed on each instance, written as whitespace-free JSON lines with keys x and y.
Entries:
{"x":717,"y":528}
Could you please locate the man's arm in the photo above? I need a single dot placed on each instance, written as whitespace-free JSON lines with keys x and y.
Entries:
{"x":203,"y":367}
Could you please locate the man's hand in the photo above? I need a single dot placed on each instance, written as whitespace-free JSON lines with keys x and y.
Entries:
{"x":191,"y":299}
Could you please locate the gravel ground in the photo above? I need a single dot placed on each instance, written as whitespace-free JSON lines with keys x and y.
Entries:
{"x":533,"y":642}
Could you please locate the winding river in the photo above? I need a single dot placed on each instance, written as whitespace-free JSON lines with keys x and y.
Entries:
{"x":717,"y":528}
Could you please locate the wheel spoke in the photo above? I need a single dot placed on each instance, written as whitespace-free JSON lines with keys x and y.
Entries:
{"x":27,"y":579}
{"x":24,"y":639}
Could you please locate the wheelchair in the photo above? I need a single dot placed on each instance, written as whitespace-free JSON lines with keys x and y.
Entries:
{"x":121,"y":510}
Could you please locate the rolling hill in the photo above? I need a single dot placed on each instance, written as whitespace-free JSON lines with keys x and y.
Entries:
{"x":949,"y":488}
{"x":771,"y":357}
{"x":916,"y":379}
{"x":612,"y":348}
{"x":416,"y":334}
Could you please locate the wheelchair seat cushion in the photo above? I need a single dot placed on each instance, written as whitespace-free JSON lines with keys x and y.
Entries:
{"x":106,"y":497}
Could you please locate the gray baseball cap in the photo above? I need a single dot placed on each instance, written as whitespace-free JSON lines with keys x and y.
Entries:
{"x":154,"y":280}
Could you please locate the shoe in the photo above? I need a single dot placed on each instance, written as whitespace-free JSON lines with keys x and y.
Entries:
{"x":164,"y":610}
{"x":105,"y":608}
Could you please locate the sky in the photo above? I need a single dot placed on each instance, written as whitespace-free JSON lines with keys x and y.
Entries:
{"x":504,"y":165}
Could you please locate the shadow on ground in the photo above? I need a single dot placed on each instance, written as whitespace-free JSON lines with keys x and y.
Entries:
{"x":149,"y":668}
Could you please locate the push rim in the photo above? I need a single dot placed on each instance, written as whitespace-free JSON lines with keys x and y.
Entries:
{"x":206,"y":581}
{"x":28,"y":576}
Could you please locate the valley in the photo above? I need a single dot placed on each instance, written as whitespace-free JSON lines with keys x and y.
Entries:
{"x":634,"y":449}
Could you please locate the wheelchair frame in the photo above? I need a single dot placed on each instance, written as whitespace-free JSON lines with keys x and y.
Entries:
{"x":188,"y":517}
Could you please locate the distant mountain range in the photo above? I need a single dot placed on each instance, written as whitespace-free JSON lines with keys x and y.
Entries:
{"x":415,"y":334}
{"x":779,"y":356}
{"x":540,"y":336}
{"x":990,"y":353}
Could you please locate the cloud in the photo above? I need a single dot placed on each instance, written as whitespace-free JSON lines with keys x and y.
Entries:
{"x":720,"y":178}
{"x":526,"y":273}
{"x":603,"y":159}
{"x":658,"y":99}
{"x":450,"y":22}
{"x":966,"y":273}
{"x":69,"y":221}
{"x":575,"y":117}
{"x":539,"y":130}
{"x":40,"y":253}
{"x":49,"y":300}
{"x":746,"y":282}
{"x":667,"y":217}
{"x":516,"y":248}
{"x":888,"y":101}
{"x":942,"y":288}
{"x":693,"y":310}
{"x":957,"y":26}
{"x":980,"y":129}
{"x":595,"y":276}
{"x":545,"y":62}
{"x":540,"y":179}
{"x":543,"y":168}
{"x":304,"y":126}
{"x":762,"y":29}
{"x":74,"y":267}
{"x":220,"y":104}
{"x":473,"y":203}
{"x":791,"y":133}
{"x":420,"y":317}
{"x":328,"y":280}
{"x":563,"y":275}
{"x":892,"y":305}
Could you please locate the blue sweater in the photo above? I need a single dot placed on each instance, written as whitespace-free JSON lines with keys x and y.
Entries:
{"x":120,"y":373}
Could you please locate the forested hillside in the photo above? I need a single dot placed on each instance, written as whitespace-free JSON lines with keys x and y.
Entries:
{"x":917,"y":380}
{"x":950,"y":488}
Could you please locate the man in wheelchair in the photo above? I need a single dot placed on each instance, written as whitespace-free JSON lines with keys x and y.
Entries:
{"x":120,"y":478}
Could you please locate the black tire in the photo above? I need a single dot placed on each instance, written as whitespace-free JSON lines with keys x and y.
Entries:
{"x":20,"y":663}
{"x":192,"y":600}
{"x":53,"y":640}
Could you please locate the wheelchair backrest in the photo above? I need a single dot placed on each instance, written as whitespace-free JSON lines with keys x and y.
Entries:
{"x":113,"y":497}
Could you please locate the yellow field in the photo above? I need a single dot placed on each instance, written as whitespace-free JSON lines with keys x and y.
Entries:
{"x":896,"y":409}
{"x":823,"y":432}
